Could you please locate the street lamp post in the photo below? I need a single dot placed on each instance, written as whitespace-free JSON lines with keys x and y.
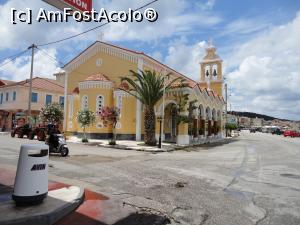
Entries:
{"x":159,"y":119}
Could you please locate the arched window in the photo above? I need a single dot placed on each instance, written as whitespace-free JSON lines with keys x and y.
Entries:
{"x":215,"y":71}
{"x":84,"y":102}
{"x":99,"y":103}
{"x":207,"y":72}
{"x":208,"y":113}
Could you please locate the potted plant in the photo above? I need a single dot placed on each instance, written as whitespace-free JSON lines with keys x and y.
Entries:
{"x":110,"y":117}
{"x":85,"y":118}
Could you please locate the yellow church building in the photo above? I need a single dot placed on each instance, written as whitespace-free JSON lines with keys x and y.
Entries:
{"x":92,"y":80}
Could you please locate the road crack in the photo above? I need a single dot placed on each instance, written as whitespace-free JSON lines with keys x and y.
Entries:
{"x":266,"y":212}
{"x":239,"y":171}
{"x":149,"y":210}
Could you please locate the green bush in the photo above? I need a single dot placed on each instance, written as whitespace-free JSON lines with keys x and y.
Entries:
{"x":84,"y":140}
{"x":112,"y":143}
{"x":230,"y":126}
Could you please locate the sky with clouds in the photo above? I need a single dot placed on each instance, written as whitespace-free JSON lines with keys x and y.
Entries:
{"x":258,"y":41}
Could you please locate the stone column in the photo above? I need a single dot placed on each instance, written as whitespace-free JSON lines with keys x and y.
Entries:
{"x":195,"y":123}
{"x":156,"y":130}
{"x":65,"y":101}
{"x":183,"y":137}
{"x":138,"y":123}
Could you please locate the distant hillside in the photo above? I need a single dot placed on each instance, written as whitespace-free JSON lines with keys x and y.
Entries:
{"x":254,"y":115}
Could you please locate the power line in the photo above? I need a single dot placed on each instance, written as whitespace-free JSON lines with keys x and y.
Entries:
{"x":56,"y":60}
{"x":94,"y":28}
{"x":50,"y":56}
{"x":8,"y":57}
{"x":12,"y":58}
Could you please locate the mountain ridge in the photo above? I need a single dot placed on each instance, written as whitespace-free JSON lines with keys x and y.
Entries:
{"x":254,"y":115}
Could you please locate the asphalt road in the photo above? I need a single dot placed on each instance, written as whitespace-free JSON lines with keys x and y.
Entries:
{"x":252,"y":179}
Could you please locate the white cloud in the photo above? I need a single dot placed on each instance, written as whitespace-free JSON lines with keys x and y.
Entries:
{"x":175,"y":17}
{"x":20,"y":35}
{"x":20,"y":68}
{"x":157,"y":55}
{"x":207,"y":5}
{"x":245,"y":26}
{"x":186,"y":58}
{"x":268,"y":73}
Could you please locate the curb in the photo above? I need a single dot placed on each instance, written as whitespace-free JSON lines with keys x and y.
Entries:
{"x":176,"y":148}
{"x":136,"y":149}
{"x":44,"y":217}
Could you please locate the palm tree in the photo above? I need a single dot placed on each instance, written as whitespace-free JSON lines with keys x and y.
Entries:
{"x":148,"y":87}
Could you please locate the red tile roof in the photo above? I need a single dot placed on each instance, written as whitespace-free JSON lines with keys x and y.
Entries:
{"x":98,"y":77}
{"x":46,"y":84}
{"x":124,"y":86}
{"x":39,"y":83}
{"x":76,"y":90}
{"x":6,"y":82}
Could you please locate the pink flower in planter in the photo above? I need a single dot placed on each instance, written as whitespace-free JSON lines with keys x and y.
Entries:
{"x":109,"y":115}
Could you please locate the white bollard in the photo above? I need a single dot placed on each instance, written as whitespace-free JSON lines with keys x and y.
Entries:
{"x":31,"y":182}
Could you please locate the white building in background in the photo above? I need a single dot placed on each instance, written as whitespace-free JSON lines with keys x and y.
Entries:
{"x":232,"y":119}
{"x":256,"y":122}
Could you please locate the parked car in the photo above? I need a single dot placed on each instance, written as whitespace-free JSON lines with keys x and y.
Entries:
{"x":291,"y":133}
{"x":278,"y":132}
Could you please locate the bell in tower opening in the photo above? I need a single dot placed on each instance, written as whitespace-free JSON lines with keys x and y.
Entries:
{"x":211,"y":71}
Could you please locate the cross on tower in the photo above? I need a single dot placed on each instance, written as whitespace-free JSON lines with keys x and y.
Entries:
{"x":210,"y":42}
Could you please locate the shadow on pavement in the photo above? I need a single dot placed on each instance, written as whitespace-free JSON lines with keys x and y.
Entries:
{"x":93,"y":211}
{"x":212,"y":145}
{"x":5,"y":193}
{"x":133,"y":219}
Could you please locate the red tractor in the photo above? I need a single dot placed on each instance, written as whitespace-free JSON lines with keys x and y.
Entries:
{"x":21,"y":131}
{"x":40,"y":131}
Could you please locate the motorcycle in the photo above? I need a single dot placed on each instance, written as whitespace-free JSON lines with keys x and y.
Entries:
{"x":57,"y":144}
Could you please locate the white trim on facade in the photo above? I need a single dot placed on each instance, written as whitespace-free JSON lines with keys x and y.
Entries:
{"x":138,"y":128}
{"x":66,"y":100}
{"x":183,"y":139}
{"x":71,"y":106}
{"x":95,"y":84}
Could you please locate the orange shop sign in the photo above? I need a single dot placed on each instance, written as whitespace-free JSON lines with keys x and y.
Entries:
{"x":79,"y":5}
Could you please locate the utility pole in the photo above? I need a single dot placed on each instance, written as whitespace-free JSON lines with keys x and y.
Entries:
{"x":32,"y":47}
{"x":226,"y":108}
{"x":161,"y":120}
{"x":226,"y":101}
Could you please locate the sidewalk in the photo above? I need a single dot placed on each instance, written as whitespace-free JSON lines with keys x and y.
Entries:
{"x":96,"y":209}
{"x":127,"y":145}
{"x":139,"y":145}
{"x":61,"y":200}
